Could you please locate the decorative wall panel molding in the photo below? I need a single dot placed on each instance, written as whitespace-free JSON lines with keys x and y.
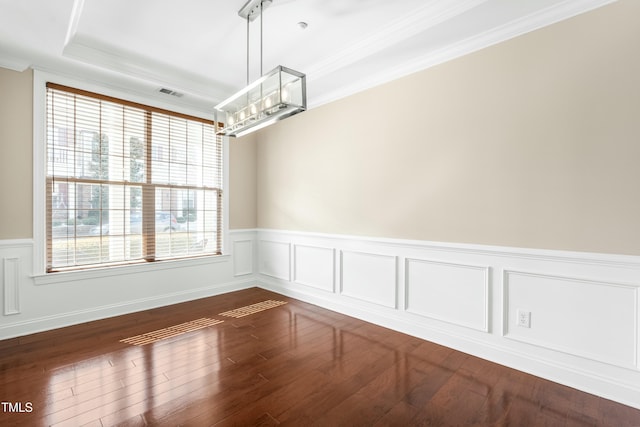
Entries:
{"x":275,"y":259}
{"x":584,"y":325}
{"x":314,"y":266}
{"x":592,"y":319}
{"x":92,"y":295}
{"x":11,"y":267}
{"x":584,"y":319}
{"x":242,"y":257}
{"x":454,"y":293}
{"x":369,"y":277}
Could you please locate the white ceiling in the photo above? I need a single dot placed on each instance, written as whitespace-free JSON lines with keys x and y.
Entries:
{"x":198,"y":47}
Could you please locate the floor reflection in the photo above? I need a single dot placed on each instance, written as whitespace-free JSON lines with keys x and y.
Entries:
{"x":296,"y":364}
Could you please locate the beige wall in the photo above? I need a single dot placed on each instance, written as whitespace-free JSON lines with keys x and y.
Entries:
{"x":16,"y":170}
{"x":242,"y":182}
{"x":16,"y":164}
{"x":530,"y":143}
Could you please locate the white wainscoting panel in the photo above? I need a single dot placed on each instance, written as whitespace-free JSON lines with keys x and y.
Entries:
{"x":275,"y":259}
{"x":369,"y":277}
{"x":242,"y":257}
{"x":454,"y":293}
{"x":585,"y":323}
{"x":39,"y":303}
{"x":11,"y":267}
{"x":591,"y":319}
{"x":314,"y":266}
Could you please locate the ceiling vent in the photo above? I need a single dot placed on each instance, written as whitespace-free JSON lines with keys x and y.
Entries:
{"x":170,"y":92}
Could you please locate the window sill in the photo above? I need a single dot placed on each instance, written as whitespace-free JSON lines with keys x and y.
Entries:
{"x":97,"y":273}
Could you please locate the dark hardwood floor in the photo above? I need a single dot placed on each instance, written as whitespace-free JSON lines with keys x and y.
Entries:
{"x":295,"y":364}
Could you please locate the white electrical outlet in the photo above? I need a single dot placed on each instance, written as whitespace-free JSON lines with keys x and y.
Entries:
{"x":524,"y":318}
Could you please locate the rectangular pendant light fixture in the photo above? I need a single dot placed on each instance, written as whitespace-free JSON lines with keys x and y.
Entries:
{"x":278,"y":94}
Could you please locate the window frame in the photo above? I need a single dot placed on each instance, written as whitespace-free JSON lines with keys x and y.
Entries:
{"x":41,"y":276}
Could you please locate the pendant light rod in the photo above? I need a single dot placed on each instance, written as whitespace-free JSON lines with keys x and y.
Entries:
{"x":250,"y":11}
{"x":261,"y":10}
{"x":247,"y":51}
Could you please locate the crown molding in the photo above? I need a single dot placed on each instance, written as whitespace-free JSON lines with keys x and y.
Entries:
{"x":13,"y":58}
{"x":518,"y":27}
{"x":419,"y":20}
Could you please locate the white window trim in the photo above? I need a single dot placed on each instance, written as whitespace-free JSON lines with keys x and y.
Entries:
{"x":40,"y":79}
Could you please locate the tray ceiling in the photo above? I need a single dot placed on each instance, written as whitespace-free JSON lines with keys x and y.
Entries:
{"x":198,"y":47}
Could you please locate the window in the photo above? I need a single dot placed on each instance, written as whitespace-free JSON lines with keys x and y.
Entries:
{"x":128,"y":183}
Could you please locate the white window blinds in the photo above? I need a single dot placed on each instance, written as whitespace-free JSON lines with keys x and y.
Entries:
{"x":128,"y":183}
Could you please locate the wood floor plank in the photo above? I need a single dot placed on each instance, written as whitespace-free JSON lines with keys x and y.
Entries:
{"x":275,"y":398}
{"x":455,"y":403}
{"x":434,"y":376}
{"x":400,"y":415}
{"x":294,"y":364}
